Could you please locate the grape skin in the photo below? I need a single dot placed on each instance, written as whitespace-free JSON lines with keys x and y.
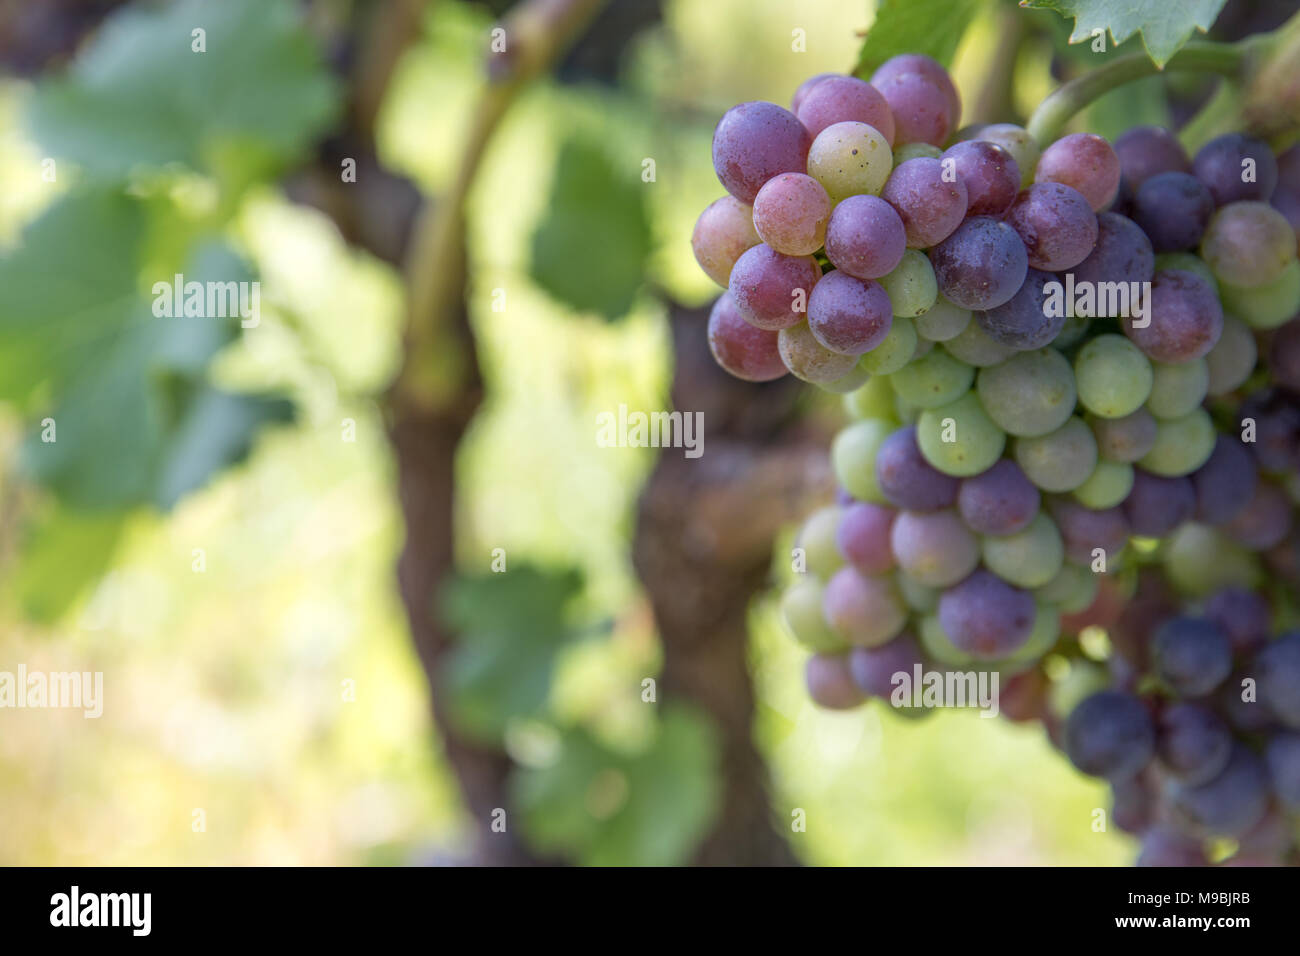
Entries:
{"x":930,"y":208}
{"x":942,"y":321}
{"x":1225,"y":482}
{"x":989,"y":173}
{"x":1055,"y":223}
{"x":1084,"y":530}
{"x":921,"y":107}
{"x":755,"y":141}
{"x":849,"y":315}
{"x":977,"y":443}
{"x":1173,"y":209}
{"x":863,"y":610}
{"x":934,"y":548}
{"x":1028,"y":558}
{"x":1023,"y":322}
{"x":845,"y":99}
{"x":791,"y":212}
{"x":873,"y":668}
{"x":1085,"y":162}
{"x":1145,"y":151}
{"x":747,"y":352}
{"x":1124,"y":439}
{"x":1062,"y":459}
{"x":1193,"y":743}
{"x":1155,"y":505}
{"x":810,"y":361}
{"x":1016,"y":141}
{"x":986,"y":617}
{"x":1110,"y":734}
{"x":1123,"y":253}
{"x":830,"y":683}
{"x":1030,"y":394}
{"x":911,"y":285}
{"x":850,"y":159}
{"x":1232,"y":802}
{"x":1248,"y":244}
{"x":765,"y":286}
{"x":927,"y":67}
{"x":982,"y":264}
{"x":1182,"y":445}
{"x":722,"y":234}
{"x":934,"y":379}
{"x":1219,"y":166}
{"x":1000,"y":500}
{"x":863,"y":537}
{"x":975,"y":347}
{"x":1192,"y":656}
{"x":1278,"y":669}
{"x":1113,"y":378}
{"x":865,"y":237}
{"x":801,"y":609}
{"x":1185,"y":318}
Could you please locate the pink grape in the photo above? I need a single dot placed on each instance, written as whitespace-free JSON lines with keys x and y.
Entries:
{"x":863,"y":537}
{"x":797,"y":100}
{"x":865,"y":238}
{"x":722,"y":233}
{"x":1185,"y":318}
{"x":989,"y":173}
{"x":839,"y":99}
{"x":745,"y":351}
{"x":772,"y":289}
{"x":791,"y":212}
{"x":929,"y":68}
{"x":849,"y":315}
{"x":930,"y":209}
{"x":754,"y":142}
{"x":1083,"y":161}
{"x":921,"y":108}
{"x":1056,"y":224}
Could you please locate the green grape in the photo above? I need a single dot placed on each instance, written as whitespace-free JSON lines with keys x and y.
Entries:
{"x":1061,"y":460}
{"x":894,"y":351}
{"x":1075,"y":328}
{"x":853,"y":458}
{"x":1248,"y":243}
{"x":917,"y":596}
{"x":974,"y":347}
{"x":906,"y":412}
{"x":1266,"y":306}
{"x":1177,"y":389}
{"x":912,"y":287}
{"x":914,"y":151}
{"x":850,"y":381}
{"x":1199,"y":561}
{"x":934,"y":379}
{"x":850,"y":159}
{"x":821,"y":554}
{"x":873,"y":399}
{"x":942,"y":321}
{"x":1072,"y":590}
{"x":1232,"y":359}
{"x":1043,"y":637}
{"x":1031,"y":393}
{"x":959,"y":438}
{"x":1112,"y":375}
{"x":1029,"y":558}
{"x":801,"y":608}
{"x":937,"y":645}
{"x":1108,"y":485}
{"x":1188,"y":262}
{"x":1182,"y":445}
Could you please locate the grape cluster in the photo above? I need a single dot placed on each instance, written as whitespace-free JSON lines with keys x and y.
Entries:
{"x":1073,"y":379}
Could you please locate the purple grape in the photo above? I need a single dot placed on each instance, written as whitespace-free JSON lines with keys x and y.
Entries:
{"x":873,"y":668}
{"x":1265,"y":520}
{"x":743,"y":350}
{"x":1192,"y":655}
{"x":1276,"y":415}
{"x":1223,"y":164}
{"x":989,"y":173}
{"x":1277,"y":668}
{"x":1173,"y":209}
{"x":1244,"y":616}
{"x":791,"y":212}
{"x":1252,"y":715}
{"x":929,"y":207}
{"x":1184,"y":317}
{"x":929,"y":68}
{"x":921,"y":108}
{"x":934,"y":548}
{"x":1023,"y":322}
{"x":1225,"y":482}
{"x":1110,"y":734}
{"x":981,"y":265}
{"x":829,"y":682}
{"x":766,"y":286}
{"x":1155,"y":505}
{"x":1166,"y":846}
{"x":865,"y":238}
{"x":1287,"y":202}
{"x":1086,"y":163}
{"x":1193,"y":742}
{"x":1085,"y":529}
{"x":1145,"y":151}
{"x":1056,"y":225}
{"x":1282,"y":755}
{"x":999,"y":501}
{"x":1284,"y":355}
{"x":907,"y":480}
{"x":844,"y":99}
{"x":863,"y":537}
{"x":1233,"y":802}
{"x":849,"y":315}
{"x":1122,"y":253}
{"x":1132,"y":804}
{"x":986,"y":617}
{"x":754,"y":142}
{"x":1125,"y":439}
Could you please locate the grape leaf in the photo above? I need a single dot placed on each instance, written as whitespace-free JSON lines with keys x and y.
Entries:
{"x":64,"y":551}
{"x":932,"y":27}
{"x":126,"y":389}
{"x":140,"y":96}
{"x":1164,"y":25}
{"x":510,"y":627}
{"x":605,"y":808}
{"x":592,"y":206}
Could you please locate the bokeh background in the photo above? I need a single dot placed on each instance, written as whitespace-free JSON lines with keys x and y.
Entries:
{"x":278,"y":691}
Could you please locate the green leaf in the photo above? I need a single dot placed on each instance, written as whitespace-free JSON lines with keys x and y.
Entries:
{"x":932,"y":27}
{"x":593,"y":206}
{"x":604,"y":808}
{"x":135,"y":420}
{"x":510,"y":626}
{"x":140,"y":96}
{"x":1165,"y":25}
{"x":63,"y":553}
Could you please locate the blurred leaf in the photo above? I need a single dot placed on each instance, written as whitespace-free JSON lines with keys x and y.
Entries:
{"x":604,"y":808}
{"x":63,"y":554}
{"x":932,"y":27}
{"x":510,"y":626}
{"x":591,"y":249}
{"x":138,"y":95}
{"x":1142,"y":102}
{"x":136,"y":421}
{"x":1165,"y":26}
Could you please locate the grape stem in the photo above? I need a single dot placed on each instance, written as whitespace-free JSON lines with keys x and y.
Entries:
{"x":1228,"y":59}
